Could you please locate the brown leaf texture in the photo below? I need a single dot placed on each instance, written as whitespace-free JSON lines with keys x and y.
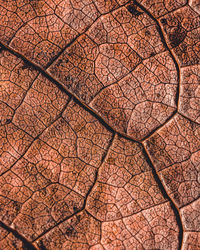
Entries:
{"x":100,"y":124}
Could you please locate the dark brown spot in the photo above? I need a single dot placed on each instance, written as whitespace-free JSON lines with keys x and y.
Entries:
{"x":177,"y":37}
{"x":26,"y":66}
{"x":147,"y":33}
{"x":78,"y":217}
{"x":163,"y":21}
{"x":75,"y":208}
{"x":70,"y":232}
{"x":8,"y":121}
{"x":59,"y":62}
{"x":132,"y":9}
{"x":41,"y":245}
{"x":68,"y":78}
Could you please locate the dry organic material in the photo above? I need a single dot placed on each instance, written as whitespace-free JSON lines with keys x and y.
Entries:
{"x":100,"y":124}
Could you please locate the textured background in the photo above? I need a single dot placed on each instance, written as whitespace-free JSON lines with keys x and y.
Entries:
{"x":100,"y":124}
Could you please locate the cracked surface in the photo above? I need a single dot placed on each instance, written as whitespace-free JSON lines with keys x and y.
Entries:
{"x":99,"y":124}
{"x":181,"y":28}
{"x":145,"y":234}
{"x":125,"y":183}
{"x":190,"y":93}
{"x":174,"y":150}
{"x":9,"y":241}
{"x":51,"y":181}
{"x":120,"y":67}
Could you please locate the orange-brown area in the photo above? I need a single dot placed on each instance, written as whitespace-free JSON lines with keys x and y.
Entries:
{"x":99,"y":124}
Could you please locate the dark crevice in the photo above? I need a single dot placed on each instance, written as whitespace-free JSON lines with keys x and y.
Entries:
{"x":26,"y":244}
{"x":134,"y":11}
{"x":88,"y":213}
{"x":98,"y":117}
{"x":97,"y":171}
{"x":76,"y":99}
{"x":60,"y":53}
{"x":162,"y":125}
{"x":76,"y":210}
{"x":90,"y":189}
{"x":159,"y":29}
{"x":29,"y":64}
{"x":63,"y":88}
{"x":69,"y":93}
{"x":58,"y":84}
{"x":35,"y":138}
{"x":188,"y":118}
{"x":80,"y":34}
{"x":166,"y":195}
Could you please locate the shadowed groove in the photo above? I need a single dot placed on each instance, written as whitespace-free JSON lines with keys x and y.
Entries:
{"x":26,"y":244}
{"x":96,"y":115}
{"x":76,"y":38}
{"x":156,"y":176}
{"x":76,"y":211}
{"x":162,"y":125}
{"x":159,"y":29}
{"x":35,"y":138}
{"x":91,"y":111}
{"x":64,"y":89}
{"x":166,"y":195}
